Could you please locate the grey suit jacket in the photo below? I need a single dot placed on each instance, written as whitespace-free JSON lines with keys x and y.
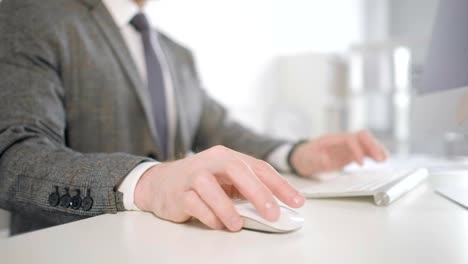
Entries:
{"x":76,"y":117}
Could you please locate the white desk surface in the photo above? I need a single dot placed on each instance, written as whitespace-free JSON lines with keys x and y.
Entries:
{"x":421,"y":227}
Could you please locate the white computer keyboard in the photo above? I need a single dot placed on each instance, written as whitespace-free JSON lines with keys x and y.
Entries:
{"x":384,"y":186}
{"x":356,"y":182}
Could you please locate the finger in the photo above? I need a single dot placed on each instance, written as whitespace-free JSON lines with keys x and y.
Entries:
{"x":340,"y":157}
{"x":251,"y":187}
{"x":337,"y":158}
{"x":232,"y":192}
{"x":384,"y":152}
{"x":194,"y":206}
{"x":212,"y":194}
{"x":373,"y":149}
{"x":229,"y":168}
{"x":280,"y":187}
{"x":327,"y":163}
{"x":333,"y":139}
{"x":356,"y":149}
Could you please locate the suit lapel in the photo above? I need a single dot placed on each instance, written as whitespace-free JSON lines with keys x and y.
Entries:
{"x":182,"y":136}
{"x":114,"y":38}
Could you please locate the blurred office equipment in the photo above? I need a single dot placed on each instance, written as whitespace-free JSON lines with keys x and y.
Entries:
{"x":443,"y":94}
{"x":370,"y":85}
{"x":379,"y":91}
{"x":310,"y":96}
{"x":385,"y":69}
{"x":457,"y":195}
{"x":238,"y":58}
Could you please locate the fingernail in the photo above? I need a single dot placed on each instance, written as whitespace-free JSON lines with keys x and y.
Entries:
{"x":382,"y":157}
{"x":272,"y":212}
{"x":297,"y":199}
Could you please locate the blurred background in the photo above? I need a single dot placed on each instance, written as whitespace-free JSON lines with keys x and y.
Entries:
{"x":302,"y":68}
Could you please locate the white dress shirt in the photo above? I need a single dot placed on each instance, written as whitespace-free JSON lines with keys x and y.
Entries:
{"x":122,"y":12}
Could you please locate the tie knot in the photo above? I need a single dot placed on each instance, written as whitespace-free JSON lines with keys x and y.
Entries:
{"x":140,"y":22}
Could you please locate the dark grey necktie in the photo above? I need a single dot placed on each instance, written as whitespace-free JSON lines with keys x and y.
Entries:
{"x":155,"y":80}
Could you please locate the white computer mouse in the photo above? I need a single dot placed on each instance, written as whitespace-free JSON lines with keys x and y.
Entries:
{"x":289,"y":220}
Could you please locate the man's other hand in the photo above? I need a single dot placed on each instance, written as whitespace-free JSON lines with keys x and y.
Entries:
{"x":333,"y":152}
{"x":203,"y":186}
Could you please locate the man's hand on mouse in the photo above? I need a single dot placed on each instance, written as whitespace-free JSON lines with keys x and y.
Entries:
{"x":203,"y":186}
{"x":333,"y":152}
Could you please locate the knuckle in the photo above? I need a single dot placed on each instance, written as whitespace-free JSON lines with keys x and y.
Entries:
{"x":363,"y":134}
{"x":189,"y":199}
{"x":200,"y":179}
{"x":219,"y":150}
{"x":261,"y":190}
{"x":354,"y":145}
{"x":282,"y":184}
{"x":262,"y":166}
{"x":233,"y":165}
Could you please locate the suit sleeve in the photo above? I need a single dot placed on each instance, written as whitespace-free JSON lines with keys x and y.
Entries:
{"x":216,"y":127}
{"x":34,"y":159}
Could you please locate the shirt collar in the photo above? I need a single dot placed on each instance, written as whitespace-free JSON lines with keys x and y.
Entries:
{"x":122,"y":10}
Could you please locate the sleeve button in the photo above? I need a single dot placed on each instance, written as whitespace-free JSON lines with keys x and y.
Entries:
{"x":65,"y":199}
{"x":54,"y":198}
{"x":76,"y":201}
{"x":87,"y":202}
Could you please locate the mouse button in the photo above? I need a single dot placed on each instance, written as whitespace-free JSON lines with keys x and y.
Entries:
{"x":289,"y":220}
{"x":254,"y":225}
{"x":249,"y":211}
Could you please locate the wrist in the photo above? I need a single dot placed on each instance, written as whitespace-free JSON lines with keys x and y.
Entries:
{"x":144,"y":191}
{"x":293,"y":158}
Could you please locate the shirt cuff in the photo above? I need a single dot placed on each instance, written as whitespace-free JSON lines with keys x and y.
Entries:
{"x":127,"y":187}
{"x":278,"y":158}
